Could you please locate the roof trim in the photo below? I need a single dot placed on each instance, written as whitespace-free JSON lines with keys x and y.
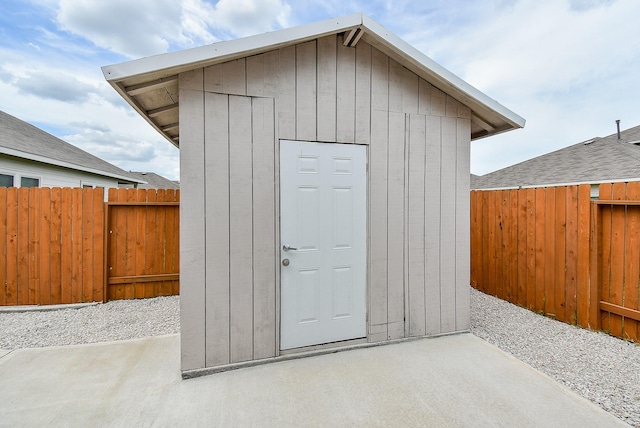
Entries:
{"x":176,"y":62}
{"x":165,"y":65}
{"x":63,"y":164}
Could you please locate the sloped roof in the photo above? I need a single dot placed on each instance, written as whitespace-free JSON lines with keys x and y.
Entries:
{"x":23,"y":140}
{"x":150,"y":84}
{"x":593,"y":161}
{"x":154,"y":181}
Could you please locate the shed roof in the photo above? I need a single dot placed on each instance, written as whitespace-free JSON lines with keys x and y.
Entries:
{"x":21,"y":139}
{"x":150,"y":84}
{"x":597,"y":160}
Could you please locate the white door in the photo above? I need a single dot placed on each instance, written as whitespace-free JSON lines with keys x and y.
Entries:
{"x":323,"y":220}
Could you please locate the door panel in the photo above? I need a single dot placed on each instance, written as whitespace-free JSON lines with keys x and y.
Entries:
{"x":323,"y":217}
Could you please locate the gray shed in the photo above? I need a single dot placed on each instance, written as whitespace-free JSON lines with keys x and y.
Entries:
{"x":324,"y":188}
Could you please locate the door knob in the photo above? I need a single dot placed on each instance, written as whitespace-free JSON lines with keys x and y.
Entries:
{"x":288,"y":247}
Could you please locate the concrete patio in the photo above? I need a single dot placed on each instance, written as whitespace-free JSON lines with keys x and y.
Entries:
{"x":452,"y":381}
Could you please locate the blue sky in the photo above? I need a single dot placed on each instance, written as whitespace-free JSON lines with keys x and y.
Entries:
{"x":569,"y":67}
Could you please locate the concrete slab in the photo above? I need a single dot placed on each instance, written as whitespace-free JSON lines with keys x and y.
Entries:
{"x":451,"y":381}
{"x":4,"y":352}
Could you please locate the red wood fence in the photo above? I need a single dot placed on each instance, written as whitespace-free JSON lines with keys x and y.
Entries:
{"x":143,"y":243}
{"x":53,"y":248}
{"x":556,"y":252}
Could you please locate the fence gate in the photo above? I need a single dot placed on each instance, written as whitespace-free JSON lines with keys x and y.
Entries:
{"x":142,"y":243}
{"x":617,"y":219}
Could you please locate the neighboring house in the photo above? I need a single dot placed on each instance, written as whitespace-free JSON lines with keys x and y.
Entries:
{"x":594,"y":161}
{"x":154,"y":181}
{"x":31,"y":157}
{"x":324,"y":188}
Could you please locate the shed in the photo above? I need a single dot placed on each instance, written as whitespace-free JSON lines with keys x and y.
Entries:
{"x":324,"y":187}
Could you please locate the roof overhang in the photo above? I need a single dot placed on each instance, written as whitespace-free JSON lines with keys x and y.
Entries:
{"x":150,"y":84}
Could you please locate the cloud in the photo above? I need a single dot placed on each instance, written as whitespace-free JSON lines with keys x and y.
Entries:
{"x":247,"y":17}
{"x":134,"y":29}
{"x":111,"y":146}
{"x":94,"y":126}
{"x":149,"y":27}
{"x":54,"y":85}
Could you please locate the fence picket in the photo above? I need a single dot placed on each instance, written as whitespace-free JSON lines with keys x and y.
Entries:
{"x":44,"y":286}
{"x":560,"y":253}
{"x":632,"y":260}
{"x":3,"y":246}
{"x":53,"y":242}
{"x":618,"y":217}
{"x":555,"y":250}
{"x":549,"y":300}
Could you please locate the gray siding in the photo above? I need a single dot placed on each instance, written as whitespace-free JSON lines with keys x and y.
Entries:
{"x":232,"y":116}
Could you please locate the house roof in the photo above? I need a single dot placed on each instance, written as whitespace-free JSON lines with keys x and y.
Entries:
{"x":150,"y":84}
{"x":154,"y":181}
{"x":23,"y":140}
{"x":597,"y":160}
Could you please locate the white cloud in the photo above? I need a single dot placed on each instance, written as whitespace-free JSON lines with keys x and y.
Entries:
{"x":54,"y":85}
{"x":131,"y":28}
{"x":134,"y":29}
{"x":112,"y":145}
{"x":247,"y":17}
{"x":149,"y":27}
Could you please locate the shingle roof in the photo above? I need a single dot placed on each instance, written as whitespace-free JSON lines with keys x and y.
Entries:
{"x":21,"y":139}
{"x":154,"y":181}
{"x":593,"y":161}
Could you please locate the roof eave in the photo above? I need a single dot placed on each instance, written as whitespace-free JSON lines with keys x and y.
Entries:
{"x":188,"y":59}
{"x":493,"y":117}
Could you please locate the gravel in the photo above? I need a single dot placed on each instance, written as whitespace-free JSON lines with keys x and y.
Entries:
{"x":601,"y":368}
{"x":115,"y":320}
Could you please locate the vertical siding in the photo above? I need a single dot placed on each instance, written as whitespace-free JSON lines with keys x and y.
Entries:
{"x":192,"y":215}
{"x":327,"y":92}
{"x":448,"y":226}
{"x":378,"y":193}
{"x":264,"y":220}
{"x":463,"y":234}
{"x":306,"y":70}
{"x":346,"y":93}
{"x":432,"y":222}
{"x":416,"y":235}
{"x":240,"y":230}
{"x":395,"y":227}
{"x":217,"y":228}
{"x":287,"y":93}
{"x":418,"y":207}
{"x":363,"y":93}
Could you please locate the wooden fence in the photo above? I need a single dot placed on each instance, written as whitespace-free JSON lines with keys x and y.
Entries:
{"x":555,"y":251}
{"x":55,"y":245}
{"x":143,"y":245}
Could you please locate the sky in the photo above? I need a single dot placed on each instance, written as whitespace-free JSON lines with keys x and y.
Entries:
{"x":571,"y":68}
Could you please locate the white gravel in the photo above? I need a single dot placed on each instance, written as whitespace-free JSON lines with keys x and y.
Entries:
{"x":114,"y":320}
{"x":601,"y":368}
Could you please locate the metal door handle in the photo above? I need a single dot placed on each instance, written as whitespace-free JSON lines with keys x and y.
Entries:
{"x":288,"y":247}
